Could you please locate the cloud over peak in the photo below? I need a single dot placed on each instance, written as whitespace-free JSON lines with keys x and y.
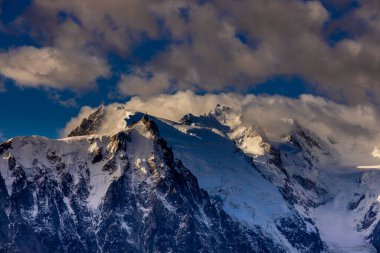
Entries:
{"x":353,"y":130}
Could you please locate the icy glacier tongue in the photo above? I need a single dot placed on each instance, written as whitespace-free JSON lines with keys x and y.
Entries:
{"x":350,"y":221}
{"x":348,"y":216}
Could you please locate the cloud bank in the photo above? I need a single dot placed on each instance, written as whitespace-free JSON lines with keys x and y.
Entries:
{"x":212,"y":45}
{"x":30,"y":66}
{"x":353,"y":130}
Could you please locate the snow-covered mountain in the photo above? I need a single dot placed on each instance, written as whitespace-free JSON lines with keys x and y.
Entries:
{"x":207,"y":183}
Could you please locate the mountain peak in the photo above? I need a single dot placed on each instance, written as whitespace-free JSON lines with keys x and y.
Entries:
{"x":90,"y":125}
{"x":108,"y":120}
{"x":221,"y":112}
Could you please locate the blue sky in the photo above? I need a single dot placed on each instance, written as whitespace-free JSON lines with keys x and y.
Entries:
{"x":44,"y":109}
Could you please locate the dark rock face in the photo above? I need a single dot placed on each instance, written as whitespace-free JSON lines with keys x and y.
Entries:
{"x":98,"y":155}
{"x":187,"y":119}
{"x":368,"y":220}
{"x":295,"y":230}
{"x":89,"y":125}
{"x":375,"y":237}
{"x":354,"y":203}
{"x":5,"y":146}
{"x":172,"y":224}
{"x":310,"y":185}
{"x":369,"y":217}
{"x":276,"y":160}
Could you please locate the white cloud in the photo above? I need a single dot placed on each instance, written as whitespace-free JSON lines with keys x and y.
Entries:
{"x":175,"y":106}
{"x":52,"y":67}
{"x":317,"y":12}
{"x":353,"y":129}
{"x":114,"y":119}
{"x":141,"y":84}
{"x":376,"y":152}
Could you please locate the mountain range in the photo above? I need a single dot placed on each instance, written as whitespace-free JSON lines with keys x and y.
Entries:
{"x":207,"y":183}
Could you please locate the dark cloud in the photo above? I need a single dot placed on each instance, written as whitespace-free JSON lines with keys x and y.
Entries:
{"x":68,"y":103}
{"x":207,"y":52}
{"x":290,"y":41}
